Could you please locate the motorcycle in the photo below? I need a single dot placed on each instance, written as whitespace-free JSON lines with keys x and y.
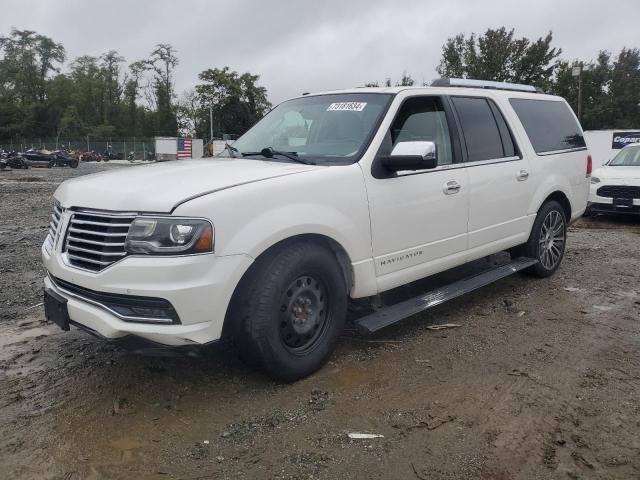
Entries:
{"x":107,"y":155}
{"x":62,"y":158}
{"x":89,"y":156}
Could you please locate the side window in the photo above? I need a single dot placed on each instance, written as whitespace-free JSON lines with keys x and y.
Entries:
{"x":549,"y":124}
{"x":481,"y":131}
{"x":424,"y":119}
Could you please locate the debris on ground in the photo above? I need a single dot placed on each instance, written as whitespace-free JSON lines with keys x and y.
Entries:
{"x":443,"y":326}
{"x":364,"y":436}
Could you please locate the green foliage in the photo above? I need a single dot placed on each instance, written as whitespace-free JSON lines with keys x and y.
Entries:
{"x":497,"y":55}
{"x":237,"y":102}
{"x":610,"y":89}
{"x":98,"y":97}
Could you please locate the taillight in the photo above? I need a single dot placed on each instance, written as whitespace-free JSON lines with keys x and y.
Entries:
{"x":589,"y":165}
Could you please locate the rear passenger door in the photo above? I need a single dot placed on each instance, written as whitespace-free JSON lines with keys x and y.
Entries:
{"x":499,"y":186}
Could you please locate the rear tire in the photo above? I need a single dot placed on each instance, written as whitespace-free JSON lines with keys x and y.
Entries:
{"x":547,"y":240}
{"x":289,"y":310}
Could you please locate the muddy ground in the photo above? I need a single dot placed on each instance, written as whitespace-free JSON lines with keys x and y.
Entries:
{"x":541,"y":380}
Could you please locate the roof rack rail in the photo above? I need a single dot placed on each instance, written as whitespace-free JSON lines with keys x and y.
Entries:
{"x":470,"y":83}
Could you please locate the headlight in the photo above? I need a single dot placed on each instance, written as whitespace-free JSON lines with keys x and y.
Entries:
{"x":169,"y":236}
{"x":595,"y":180}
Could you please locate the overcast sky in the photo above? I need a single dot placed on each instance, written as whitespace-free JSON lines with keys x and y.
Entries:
{"x":310,"y":45}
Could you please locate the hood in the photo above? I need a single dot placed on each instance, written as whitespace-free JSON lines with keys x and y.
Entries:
{"x":161,"y":187}
{"x":617,"y":173}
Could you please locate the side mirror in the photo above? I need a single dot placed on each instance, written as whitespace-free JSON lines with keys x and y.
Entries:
{"x":412,"y":156}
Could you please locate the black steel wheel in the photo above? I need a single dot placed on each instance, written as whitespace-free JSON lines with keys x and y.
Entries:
{"x":288,"y":311}
{"x":304,"y":314}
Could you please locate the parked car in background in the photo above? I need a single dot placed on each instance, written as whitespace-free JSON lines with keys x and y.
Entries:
{"x":615,"y":187}
{"x":46,"y":158}
{"x":330,"y":197}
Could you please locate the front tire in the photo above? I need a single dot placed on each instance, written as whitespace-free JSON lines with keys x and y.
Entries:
{"x":547,"y":240}
{"x":288,"y":312}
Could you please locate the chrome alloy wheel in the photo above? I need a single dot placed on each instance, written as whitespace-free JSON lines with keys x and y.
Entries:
{"x":304,"y":314}
{"x":551,"y":241}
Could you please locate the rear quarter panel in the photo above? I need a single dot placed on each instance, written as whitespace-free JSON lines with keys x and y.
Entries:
{"x":560,"y":172}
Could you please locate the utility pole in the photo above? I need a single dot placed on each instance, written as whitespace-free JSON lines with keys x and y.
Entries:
{"x":211,"y":124}
{"x":576,"y":71}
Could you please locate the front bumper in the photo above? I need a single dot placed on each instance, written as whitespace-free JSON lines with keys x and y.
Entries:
{"x":597,"y":207}
{"x":198,"y":287}
{"x":598,"y":204}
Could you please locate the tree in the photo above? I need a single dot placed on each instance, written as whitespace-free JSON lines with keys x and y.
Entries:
{"x":70,"y":125}
{"x":163,"y":61}
{"x":131,"y":92}
{"x":405,"y":81}
{"x":596,"y":79}
{"x":237,"y":102}
{"x":188,"y":113}
{"x":111,"y":86}
{"x":27,"y":59}
{"x":625,"y":89}
{"x":497,"y":55}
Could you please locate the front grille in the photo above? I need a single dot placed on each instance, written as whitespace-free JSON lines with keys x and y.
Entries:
{"x":96,"y":240}
{"x":619,"y":191}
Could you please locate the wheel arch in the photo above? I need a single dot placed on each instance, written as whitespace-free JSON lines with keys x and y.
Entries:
{"x":560,"y":197}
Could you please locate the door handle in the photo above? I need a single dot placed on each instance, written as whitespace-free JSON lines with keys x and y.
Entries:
{"x":451,"y":187}
{"x":522,"y":175}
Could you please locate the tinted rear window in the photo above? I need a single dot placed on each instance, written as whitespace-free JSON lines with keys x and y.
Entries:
{"x":550,"y":125}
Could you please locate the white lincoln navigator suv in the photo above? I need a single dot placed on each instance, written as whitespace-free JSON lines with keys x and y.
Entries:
{"x":330,"y":197}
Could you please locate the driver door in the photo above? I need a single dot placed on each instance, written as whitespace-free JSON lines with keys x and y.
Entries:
{"x":419,"y":218}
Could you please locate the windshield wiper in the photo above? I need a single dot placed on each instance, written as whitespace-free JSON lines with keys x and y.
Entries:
{"x":269,"y":152}
{"x":232,"y":150}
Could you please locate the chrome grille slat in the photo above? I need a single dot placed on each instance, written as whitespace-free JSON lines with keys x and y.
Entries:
{"x":101,"y":224}
{"x":87,"y":259}
{"x":99,"y":234}
{"x":96,"y":240}
{"x":54,"y":222}
{"x":98,"y":252}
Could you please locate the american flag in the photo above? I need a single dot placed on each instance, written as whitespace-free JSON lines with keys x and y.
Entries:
{"x":184,"y":147}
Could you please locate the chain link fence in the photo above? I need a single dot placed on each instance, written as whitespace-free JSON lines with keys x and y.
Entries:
{"x":141,"y":148}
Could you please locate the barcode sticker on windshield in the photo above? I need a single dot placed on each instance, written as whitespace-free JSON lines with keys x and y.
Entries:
{"x":347,"y":106}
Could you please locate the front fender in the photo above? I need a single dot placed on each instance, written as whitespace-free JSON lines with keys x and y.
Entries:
{"x":329,"y":201}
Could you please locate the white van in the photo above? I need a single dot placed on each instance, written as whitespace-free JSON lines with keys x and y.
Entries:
{"x":330,"y":197}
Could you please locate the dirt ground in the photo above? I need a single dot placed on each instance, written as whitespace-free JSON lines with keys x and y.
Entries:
{"x":540,"y":381}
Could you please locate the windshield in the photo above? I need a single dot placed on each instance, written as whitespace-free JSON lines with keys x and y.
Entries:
{"x":323,"y":129}
{"x":628,"y":157}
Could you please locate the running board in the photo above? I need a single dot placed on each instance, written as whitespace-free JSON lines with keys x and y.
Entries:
{"x":386,"y":316}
